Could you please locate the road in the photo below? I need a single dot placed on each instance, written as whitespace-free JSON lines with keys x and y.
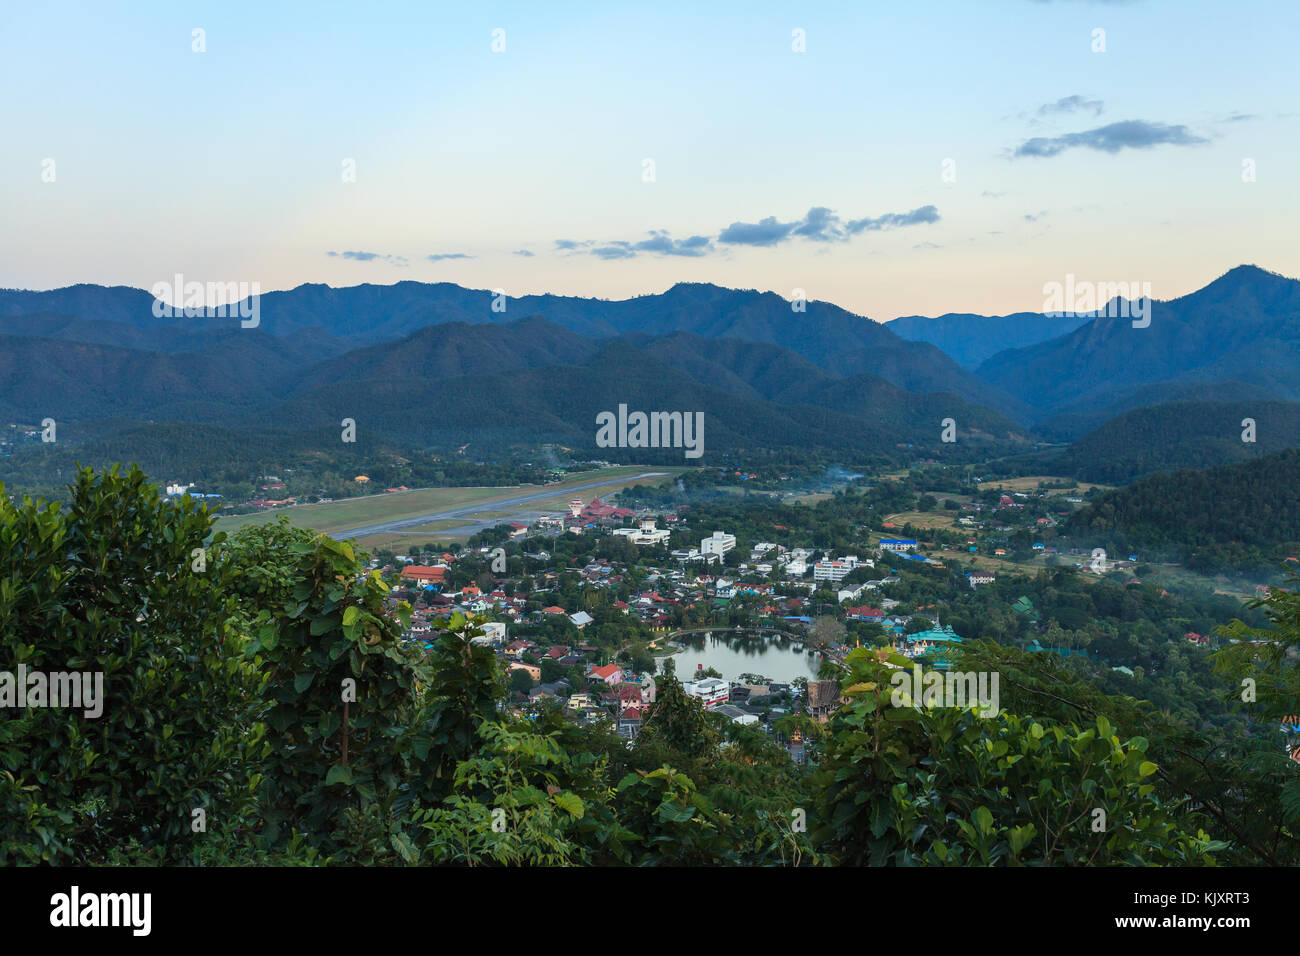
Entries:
{"x":398,"y":527}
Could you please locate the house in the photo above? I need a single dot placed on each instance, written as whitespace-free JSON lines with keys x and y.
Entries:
{"x":976,"y":578}
{"x":735,"y":713}
{"x":610,"y":674}
{"x":865,"y":613}
{"x":629,"y":723}
{"x":824,"y":699}
{"x":581,"y":619}
{"x":533,"y":671}
{"x":494,"y":633}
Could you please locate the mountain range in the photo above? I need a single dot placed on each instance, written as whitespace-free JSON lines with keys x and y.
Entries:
{"x":437,"y":364}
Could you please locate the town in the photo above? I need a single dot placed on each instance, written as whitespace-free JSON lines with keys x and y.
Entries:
{"x":588,"y":608}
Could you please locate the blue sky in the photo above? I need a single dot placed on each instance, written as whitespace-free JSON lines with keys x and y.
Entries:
{"x":773,"y":169}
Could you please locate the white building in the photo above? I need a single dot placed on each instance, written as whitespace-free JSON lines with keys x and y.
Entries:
{"x":710,"y":690}
{"x":718,"y":543}
{"x":897,"y":545}
{"x":647,"y":533}
{"x":831,"y":571}
{"x":494,"y":632}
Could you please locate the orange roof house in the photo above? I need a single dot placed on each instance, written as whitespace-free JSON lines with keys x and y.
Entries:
{"x":423,"y":574}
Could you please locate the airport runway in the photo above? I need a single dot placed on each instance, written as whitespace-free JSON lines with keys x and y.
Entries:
{"x":399,"y":527}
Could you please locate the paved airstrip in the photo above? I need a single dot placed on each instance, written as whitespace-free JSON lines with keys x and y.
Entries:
{"x":507,"y":509}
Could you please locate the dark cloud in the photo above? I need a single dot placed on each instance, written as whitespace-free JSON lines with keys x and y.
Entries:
{"x":614,"y":250}
{"x":370,"y":257}
{"x":1072,"y":104}
{"x":821,"y":224}
{"x":1129,"y":134}
{"x":662,"y":243}
{"x":922,"y":215}
{"x":765,"y":232}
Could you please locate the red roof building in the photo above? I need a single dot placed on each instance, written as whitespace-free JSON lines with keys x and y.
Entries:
{"x":422,"y":574}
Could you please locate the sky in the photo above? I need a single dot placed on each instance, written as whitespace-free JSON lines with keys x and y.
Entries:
{"x":892,"y":158}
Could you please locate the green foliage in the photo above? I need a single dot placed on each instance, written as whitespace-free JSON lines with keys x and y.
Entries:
{"x":677,"y":722}
{"x":109,"y":585}
{"x":904,"y":785}
{"x":339,"y":684}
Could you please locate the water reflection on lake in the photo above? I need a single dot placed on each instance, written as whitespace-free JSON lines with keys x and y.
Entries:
{"x":774,"y":658}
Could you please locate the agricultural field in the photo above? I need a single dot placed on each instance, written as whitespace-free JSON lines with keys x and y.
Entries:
{"x":929,"y":520}
{"x":1030,"y":483}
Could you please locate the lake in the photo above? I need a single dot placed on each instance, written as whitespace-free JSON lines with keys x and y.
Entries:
{"x":774,"y":658}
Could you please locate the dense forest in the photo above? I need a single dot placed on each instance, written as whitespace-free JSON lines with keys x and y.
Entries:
{"x":1180,"y":435}
{"x":1245,"y":515}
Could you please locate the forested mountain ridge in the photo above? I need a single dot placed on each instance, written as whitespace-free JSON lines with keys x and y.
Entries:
{"x":1243,"y":327}
{"x":1179,"y":435}
{"x":1245,"y":514}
